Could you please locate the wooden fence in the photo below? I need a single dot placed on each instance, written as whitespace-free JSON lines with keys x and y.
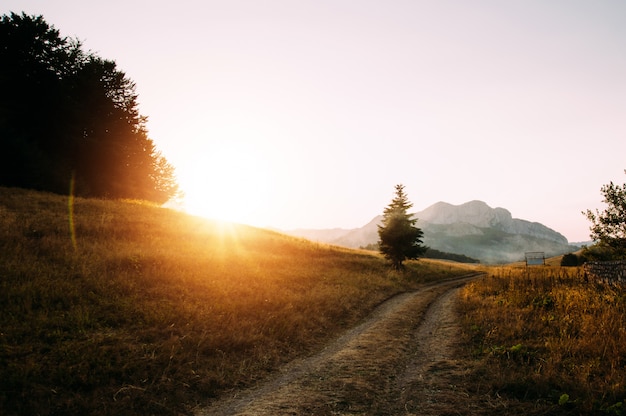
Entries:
{"x":611,"y":272}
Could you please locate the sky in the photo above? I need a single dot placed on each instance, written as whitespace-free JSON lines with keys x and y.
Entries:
{"x":305,"y":114}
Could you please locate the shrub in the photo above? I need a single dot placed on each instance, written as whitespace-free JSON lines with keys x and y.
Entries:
{"x":570,"y":260}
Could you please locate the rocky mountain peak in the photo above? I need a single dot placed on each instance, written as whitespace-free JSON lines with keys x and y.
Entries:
{"x":481,"y":215}
{"x":477,"y":213}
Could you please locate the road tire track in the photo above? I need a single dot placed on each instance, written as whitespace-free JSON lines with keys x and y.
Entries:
{"x":400,"y":360}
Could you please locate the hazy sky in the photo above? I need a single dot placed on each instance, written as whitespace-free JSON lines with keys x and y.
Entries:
{"x":306,"y":113}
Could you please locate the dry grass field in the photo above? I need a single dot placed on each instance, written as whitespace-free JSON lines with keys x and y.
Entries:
{"x":544,"y":340}
{"x":117,"y":307}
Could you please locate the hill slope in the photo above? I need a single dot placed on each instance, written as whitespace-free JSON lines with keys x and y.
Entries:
{"x":122,"y":308}
{"x":473,"y":229}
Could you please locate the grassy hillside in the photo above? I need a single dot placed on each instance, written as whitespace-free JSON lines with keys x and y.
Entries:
{"x":491,"y":246}
{"x":123,"y":308}
{"x":547,"y":341}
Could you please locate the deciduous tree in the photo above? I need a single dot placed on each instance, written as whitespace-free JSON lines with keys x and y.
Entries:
{"x":65,"y":113}
{"x":399,"y":238}
{"x":609,"y":226}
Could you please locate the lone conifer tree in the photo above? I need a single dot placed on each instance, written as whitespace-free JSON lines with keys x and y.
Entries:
{"x":400,"y":239}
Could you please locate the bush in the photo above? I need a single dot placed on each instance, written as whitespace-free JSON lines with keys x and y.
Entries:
{"x":570,"y":260}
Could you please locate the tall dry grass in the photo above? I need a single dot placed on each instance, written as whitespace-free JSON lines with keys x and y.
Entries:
{"x":548,"y":337}
{"x":125,"y":308}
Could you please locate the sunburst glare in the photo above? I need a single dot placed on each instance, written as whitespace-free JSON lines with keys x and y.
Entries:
{"x":230,"y":183}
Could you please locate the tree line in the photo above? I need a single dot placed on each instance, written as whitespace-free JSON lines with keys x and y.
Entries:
{"x":70,"y":116}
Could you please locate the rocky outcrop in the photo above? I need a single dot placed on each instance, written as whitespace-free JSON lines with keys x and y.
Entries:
{"x":480,"y":215}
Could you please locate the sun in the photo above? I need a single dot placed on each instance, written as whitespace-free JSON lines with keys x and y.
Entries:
{"x":228,"y":183}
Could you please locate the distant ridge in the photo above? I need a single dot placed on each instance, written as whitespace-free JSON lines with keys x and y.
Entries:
{"x":473,"y":229}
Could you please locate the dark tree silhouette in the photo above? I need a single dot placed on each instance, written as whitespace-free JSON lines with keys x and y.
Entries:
{"x":69,"y":114}
{"x":399,"y":238}
{"x":569,"y":260}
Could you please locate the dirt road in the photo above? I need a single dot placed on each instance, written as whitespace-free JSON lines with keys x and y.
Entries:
{"x":399,"y":361}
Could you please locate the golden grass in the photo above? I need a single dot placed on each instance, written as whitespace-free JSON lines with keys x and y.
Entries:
{"x":124,"y":308}
{"x":546,"y":337}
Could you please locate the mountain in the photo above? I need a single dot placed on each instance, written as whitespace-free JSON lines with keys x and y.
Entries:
{"x":320,"y":235}
{"x":473,"y":229}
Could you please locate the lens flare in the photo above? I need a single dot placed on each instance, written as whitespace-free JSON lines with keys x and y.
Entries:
{"x":70,"y":211}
